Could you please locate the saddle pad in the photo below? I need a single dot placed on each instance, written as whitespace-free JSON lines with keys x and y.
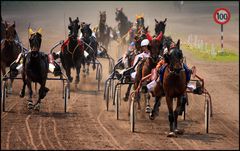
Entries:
{"x":66,"y":42}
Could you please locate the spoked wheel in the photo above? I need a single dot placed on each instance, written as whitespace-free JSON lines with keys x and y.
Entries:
{"x":207,"y":115}
{"x":117,"y":101}
{"x":66,"y":97}
{"x":4,"y":93}
{"x":107,"y":94}
{"x":99,"y":75}
{"x":133,"y":114}
{"x":185,"y":109}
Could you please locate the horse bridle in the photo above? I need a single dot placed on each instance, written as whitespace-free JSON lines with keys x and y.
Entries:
{"x":173,"y":61}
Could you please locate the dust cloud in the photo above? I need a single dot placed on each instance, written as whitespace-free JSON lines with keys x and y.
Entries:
{"x":188,"y":18}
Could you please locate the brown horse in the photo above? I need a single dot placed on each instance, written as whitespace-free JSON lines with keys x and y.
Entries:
{"x":9,"y":48}
{"x":174,"y":85}
{"x":148,"y":64}
{"x":137,"y":42}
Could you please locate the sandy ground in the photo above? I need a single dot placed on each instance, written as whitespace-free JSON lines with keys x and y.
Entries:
{"x":87,"y":124}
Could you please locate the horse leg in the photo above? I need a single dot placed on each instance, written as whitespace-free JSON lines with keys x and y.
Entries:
{"x":30,"y":103}
{"x":88,"y":64}
{"x":127,"y":93}
{"x":22,"y":93}
{"x":94,"y":63}
{"x":3,"y":67}
{"x":78,"y":72}
{"x":10,"y":86}
{"x":42,"y":93}
{"x":155,"y":111}
{"x":147,"y":98}
{"x":68,"y":72}
{"x":84,"y":69}
{"x":170,"y":115}
{"x":176,"y":112}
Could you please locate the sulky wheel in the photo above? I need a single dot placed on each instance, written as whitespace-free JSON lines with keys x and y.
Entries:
{"x":185,"y":108}
{"x":66,"y":97}
{"x":4,"y":93}
{"x":107,"y":95}
{"x":207,"y":115}
{"x":117,"y":101}
{"x":133,"y":114}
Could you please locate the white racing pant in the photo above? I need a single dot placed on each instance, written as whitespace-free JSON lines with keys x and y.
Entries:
{"x":151,"y":85}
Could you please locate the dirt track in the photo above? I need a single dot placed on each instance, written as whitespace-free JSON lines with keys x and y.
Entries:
{"x":87,"y":124}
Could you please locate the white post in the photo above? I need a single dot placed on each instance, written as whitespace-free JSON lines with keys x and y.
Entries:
{"x":222,"y":38}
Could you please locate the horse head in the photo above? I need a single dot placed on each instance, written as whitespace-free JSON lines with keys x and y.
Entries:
{"x":160,"y":26}
{"x":73,"y":27}
{"x":176,"y":58}
{"x":103,"y":17}
{"x":10,"y":31}
{"x":35,"y":39}
{"x":86,"y":31}
{"x":119,"y":14}
{"x":155,"y":46}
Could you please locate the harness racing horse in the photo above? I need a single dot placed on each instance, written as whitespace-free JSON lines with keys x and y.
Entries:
{"x":138,"y":39}
{"x":160,"y":26}
{"x":173,"y":83}
{"x":146,"y":66}
{"x":90,"y":45}
{"x":9,"y":48}
{"x":124,"y":24}
{"x":72,"y":51}
{"x":103,"y":30}
{"x":35,"y":69}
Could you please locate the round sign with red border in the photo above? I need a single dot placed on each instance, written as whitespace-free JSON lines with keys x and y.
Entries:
{"x":221,"y":15}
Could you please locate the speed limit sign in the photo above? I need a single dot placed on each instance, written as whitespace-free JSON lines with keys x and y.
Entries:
{"x":221,"y":15}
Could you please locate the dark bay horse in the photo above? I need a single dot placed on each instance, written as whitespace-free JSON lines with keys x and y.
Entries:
{"x":9,"y":48}
{"x":173,"y":85}
{"x":103,"y":30}
{"x":35,"y":69}
{"x":72,"y":53}
{"x":124,"y":24}
{"x":160,"y":26}
{"x":90,"y":46}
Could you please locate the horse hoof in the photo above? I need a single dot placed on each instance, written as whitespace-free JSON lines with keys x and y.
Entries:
{"x":125,"y":99}
{"x":37,"y":107}
{"x":151,"y":116}
{"x":171,"y":134}
{"x":30,"y":105}
{"x":9,"y":91}
{"x":178,"y":131}
{"x":148,"y":109}
{"x":70,"y":79}
{"x":77,"y":81}
{"x":21,"y":94}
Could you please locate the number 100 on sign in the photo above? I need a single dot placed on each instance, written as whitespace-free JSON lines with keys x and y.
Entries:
{"x":221,"y":15}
